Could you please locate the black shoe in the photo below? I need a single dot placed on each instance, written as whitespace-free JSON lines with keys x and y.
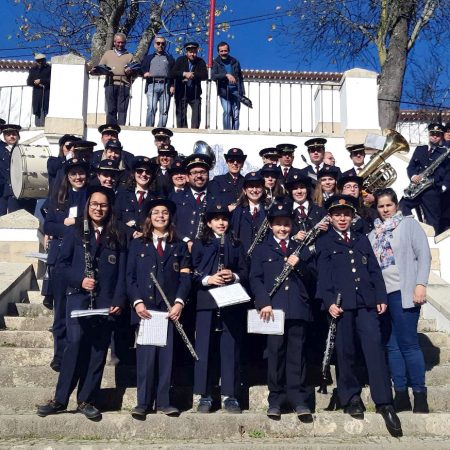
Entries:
{"x":55,"y":365}
{"x":48,"y":302}
{"x":420,"y":403}
{"x":139,"y":413}
{"x":355,"y":408}
{"x":169,"y":411}
{"x":232,"y":406}
{"x":274,"y":412}
{"x":391,"y":420}
{"x":89,"y":410}
{"x":204,"y":405}
{"x":304,"y":414}
{"x":401,"y":401}
{"x":51,"y":407}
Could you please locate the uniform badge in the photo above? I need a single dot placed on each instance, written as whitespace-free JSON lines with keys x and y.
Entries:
{"x":176,"y":267}
{"x":112,"y":259}
{"x":364,"y":259}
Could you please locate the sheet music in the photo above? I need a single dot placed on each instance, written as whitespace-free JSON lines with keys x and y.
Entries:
{"x":257,"y":326}
{"x":73,"y":211}
{"x":89,"y":312}
{"x":153,"y":331}
{"x":230,"y":294}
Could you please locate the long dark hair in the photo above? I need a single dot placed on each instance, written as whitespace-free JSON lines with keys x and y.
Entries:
{"x":243,"y":199}
{"x":131,"y":184}
{"x":386,"y":192}
{"x":208,"y":233}
{"x":147,"y":229}
{"x":63,"y":192}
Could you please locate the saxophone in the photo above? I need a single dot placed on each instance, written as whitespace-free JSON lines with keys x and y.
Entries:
{"x":88,"y":263}
{"x":414,"y":189}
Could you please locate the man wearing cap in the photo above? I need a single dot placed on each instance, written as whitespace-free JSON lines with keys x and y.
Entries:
{"x":316,"y":152}
{"x":117,"y":86}
{"x":447,"y":135}
{"x":9,"y":203}
{"x":357,"y":154}
{"x":178,"y":175}
{"x":286,"y":152}
{"x":162,"y":137}
{"x":189,"y":71}
{"x":163,"y":180}
{"x":110,"y":131}
{"x":192,"y":202}
{"x":269,"y":155}
{"x":39,"y":79}
{"x":347,"y":266}
{"x":227,"y":188}
{"x":159,"y":86}
{"x":226,"y":71}
{"x":424,"y":155}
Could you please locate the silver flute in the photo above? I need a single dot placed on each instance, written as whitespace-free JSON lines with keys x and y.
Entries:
{"x":176,"y":322}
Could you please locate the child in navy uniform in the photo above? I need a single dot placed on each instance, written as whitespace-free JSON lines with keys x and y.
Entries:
{"x":286,"y":354}
{"x":160,"y":252}
{"x":217,"y":331}
{"x":347,"y":265}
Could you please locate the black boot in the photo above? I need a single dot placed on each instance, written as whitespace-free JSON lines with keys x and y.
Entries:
{"x":401,"y":401}
{"x":420,"y":403}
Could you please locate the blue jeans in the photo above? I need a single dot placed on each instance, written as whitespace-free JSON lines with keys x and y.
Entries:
{"x":231,"y":106}
{"x":157,"y":94}
{"x":405,"y":356}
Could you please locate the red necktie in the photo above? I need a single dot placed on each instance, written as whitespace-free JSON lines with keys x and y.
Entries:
{"x":285,"y":172}
{"x":97,"y":235}
{"x":141,"y":197}
{"x":199,"y":197}
{"x":283,"y":246}
{"x":159,"y":247}
{"x":346,"y":237}
{"x":255,"y":212}
{"x":301,"y":212}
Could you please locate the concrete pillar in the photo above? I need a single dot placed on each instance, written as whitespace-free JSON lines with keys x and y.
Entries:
{"x":359,"y":105}
{"x":68,"y":96}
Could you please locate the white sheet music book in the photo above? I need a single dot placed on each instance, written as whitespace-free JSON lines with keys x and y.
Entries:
{"x":89,"y":312}
{"x":258,"y":326}
{"x":153,"y":331}
{"x":228,"y":295}
{"x":73,"y":211}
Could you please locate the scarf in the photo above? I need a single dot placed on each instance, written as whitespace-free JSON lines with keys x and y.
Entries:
{"x":383,"y":236}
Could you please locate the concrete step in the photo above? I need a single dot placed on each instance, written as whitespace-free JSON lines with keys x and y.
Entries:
{"x":28,"y":323}
{"x":24,"y":357}
{"x":217,"y":427}
{"x":35,"y":297}
{"x":434,"y":338}
{"x":28,"y":339}
{"x":29,"y":310}
{"x":21,"y":400}
{"x":426,"y":325}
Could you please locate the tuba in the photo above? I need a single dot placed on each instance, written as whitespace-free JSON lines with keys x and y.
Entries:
{"x":202,"y":148}
{"x":378,"y":173}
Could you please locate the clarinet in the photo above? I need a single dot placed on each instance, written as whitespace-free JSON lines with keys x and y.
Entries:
{"x":331,"y":343}
{"x":220,"y":266}
{"x":287,"y":268}
{"x":201,"y":217}
{"x":88,"y":263}
{"x":177,"y":323}
{"x":262,"y":231}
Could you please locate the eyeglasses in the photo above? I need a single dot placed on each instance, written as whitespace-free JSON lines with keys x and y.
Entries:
{"x":95,"y":205}
{"x":160,"y":43}
{"x":198,"y":172}
{"x":142,"y":171}
{"x":351,"y":187}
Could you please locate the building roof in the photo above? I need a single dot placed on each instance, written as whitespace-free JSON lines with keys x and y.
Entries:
{"x":15,"y":64}
{"x":423,"y":115}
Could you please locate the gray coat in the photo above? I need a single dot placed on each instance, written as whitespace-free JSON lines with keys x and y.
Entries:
{"x":412,"y":257}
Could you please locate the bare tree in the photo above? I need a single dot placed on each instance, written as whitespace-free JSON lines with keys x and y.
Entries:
{"x":357,"y":30}
{"x":87,"y":27}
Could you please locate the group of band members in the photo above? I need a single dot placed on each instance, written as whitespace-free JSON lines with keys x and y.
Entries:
{"x":115,"y":220}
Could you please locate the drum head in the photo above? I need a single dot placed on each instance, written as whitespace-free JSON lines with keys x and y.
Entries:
{"x":16,"y":172}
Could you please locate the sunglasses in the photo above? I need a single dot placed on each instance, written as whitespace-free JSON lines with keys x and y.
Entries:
{"x":160,"y":43}
{"x":68,"y":145}
{"x":142,"y":171}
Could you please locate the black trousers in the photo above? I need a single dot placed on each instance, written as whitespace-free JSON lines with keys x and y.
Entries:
{"x":181,"y":104}
{"x":117,"y":98}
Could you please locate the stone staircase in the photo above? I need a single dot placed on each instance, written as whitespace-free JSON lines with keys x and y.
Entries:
{"x":26,"y":380}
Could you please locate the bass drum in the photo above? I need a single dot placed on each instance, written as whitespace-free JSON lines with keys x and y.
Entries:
{"x":29,"y":177}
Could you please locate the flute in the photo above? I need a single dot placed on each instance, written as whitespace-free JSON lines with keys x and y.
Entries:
{"x":176,"y":322}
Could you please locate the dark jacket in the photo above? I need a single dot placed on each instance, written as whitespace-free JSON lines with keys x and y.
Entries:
{"x":219,"y":73}
{"x":5,"y":174}
{"x":41,"y":94}
{"x":145,"y":66}
{"x":200,"y":74}
{"x":421,"y":160}
{"x":223,"y":187}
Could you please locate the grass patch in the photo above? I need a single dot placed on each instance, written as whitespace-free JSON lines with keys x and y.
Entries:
{"x":8,"y":344}
{"x":256,"y":434}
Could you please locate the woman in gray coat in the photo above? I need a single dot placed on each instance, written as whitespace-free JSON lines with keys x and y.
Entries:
{"x":402,"y":250}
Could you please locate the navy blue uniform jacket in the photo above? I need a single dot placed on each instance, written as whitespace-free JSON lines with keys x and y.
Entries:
{"x":5,"y":175}
{"x":350,"y":269}
{"x":143,"y":259}
{"x":225,"y":190}
{"x":421,"y":160}
{"x":267,"y":262}
{"x":109,"y":266}
{"x":314,"y":216}
{"x":205,"y":259}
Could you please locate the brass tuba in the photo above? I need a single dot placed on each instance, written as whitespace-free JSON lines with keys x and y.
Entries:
{"x":378,"y":173}
{"x":202,"y":148}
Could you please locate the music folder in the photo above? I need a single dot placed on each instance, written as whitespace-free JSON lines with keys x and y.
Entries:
{"x":228,"y":295}
{"x":153,"y":331}
{"x":256,"y":325}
